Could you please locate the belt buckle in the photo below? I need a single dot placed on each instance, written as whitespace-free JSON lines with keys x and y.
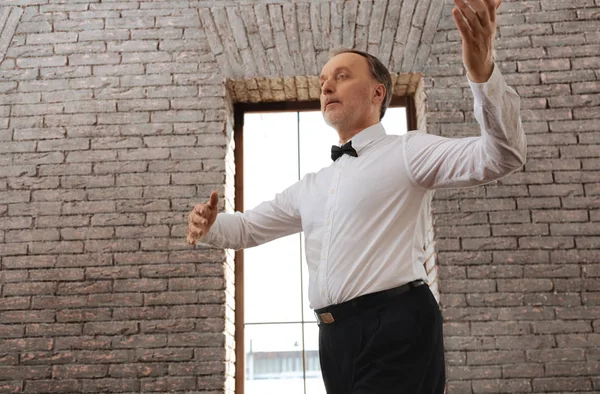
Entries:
{"x":326,"y":318}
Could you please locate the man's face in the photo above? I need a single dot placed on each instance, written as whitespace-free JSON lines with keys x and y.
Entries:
{"x":346,"y":91}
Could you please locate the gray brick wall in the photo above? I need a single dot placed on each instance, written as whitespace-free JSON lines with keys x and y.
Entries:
{"x":111,"y":128}
{"x":519,"y":259}
{"x":115,"y":120}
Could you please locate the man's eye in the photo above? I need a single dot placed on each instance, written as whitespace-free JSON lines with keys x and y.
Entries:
{"x":342,"y":76}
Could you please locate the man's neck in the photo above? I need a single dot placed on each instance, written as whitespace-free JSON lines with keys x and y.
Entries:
{"x":346,"y":135}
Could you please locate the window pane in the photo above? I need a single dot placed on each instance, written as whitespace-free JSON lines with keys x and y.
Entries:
{"x":272,"y":290}
{"x":314,"y":379}
{"x":395,"y":121}
{"x":316,"y":139}
{"x":274,"y":359}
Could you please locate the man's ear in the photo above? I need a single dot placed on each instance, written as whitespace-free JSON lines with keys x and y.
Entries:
{"x":379,"y":94}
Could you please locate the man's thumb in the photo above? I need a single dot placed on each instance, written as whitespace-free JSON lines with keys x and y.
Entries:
{"x":214,"y":200}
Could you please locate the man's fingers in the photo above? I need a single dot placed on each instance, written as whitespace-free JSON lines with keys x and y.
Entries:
{"x":199,"y":220}
{"x":196,"y":231}
{"x":463,"y":27}
{"x":214,"y":200}
{"x":493,"y":6}
{"x":469,"y":14}
{"x":481,"y":8}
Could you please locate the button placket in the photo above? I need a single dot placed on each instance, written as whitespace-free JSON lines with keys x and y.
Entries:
{"x":327,"y":228}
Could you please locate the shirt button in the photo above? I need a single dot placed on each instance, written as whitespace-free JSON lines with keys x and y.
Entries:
{"x":323,"y":293}
{"x":328,"y":222}
{"x":332,"y":191}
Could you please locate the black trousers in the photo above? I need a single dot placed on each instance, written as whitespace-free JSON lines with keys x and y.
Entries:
{"x":392,"y":348}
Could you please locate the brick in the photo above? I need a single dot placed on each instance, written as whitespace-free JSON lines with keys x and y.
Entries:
{"x":440,"y":219}
{"x":557,"y":355}
{"x":523,"y":370}
{"x":84,"y":287}
{"x":70,"y":120}
{"x":493,"y":271}
{"x":500,"y":328}
{"x":105,"y":143}
{"x":561,"y":384}
{"x":538,"y":202}
{"x":94,"y":58}
{"x":524,"y":285}
{"x":546,"y":242}
{"x":85,"y":181}
{"x":89,"y":156}
{"x":34,"y":208}
{"x":110,"y":385}
{"x":506,"y":191}
{"x":497,"y":204}
{"x":120,"y":69}
{"x":123,"y":118}
{"x":494,"y":357}
{"x":79,"y":371}
{"x":574,"y":229}
{"x":531,"y":229}
{"x":129,"y":23}
{"x":506,"y":217}
{"x":146,"y":80}
{"x":587,"y":242}
{"x":26,"y":372}
{"x":552,"y":164}
{"x":558,"y":216}
{"x":468,"y":286}
{"x":27,"y":317}
{"x":552,"y":271}
{"x":35,"y":62}
{"x":143,"y":105}
{"x":585,"y":312}
{"x":501,"y":386}
{"x":526,"y":313}
{"x":14,"y":197}
{"x":83,"y":261}
{"x":116,"y":194}
{"x":51,"y":38}
{"x":567,"y":76}
{"x":495,"y":243}
{"x":53,"y":386}
{"x":556,"y":190}
{"x":561,"y":327}
{"x":32,"y":235}
{"x":29,"y":288}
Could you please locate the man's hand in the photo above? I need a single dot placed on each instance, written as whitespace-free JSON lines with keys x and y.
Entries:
{"x":476,"y":21}
{"x":202,"y":217}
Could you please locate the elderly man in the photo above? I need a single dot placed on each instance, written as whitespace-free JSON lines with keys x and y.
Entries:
{"x":363,"y":216}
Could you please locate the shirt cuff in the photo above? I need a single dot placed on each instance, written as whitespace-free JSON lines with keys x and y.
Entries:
{"x":493,"y":89}
{"x":212,"y":236}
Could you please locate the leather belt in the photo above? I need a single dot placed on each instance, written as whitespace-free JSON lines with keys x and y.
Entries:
{"x":357,"y":305}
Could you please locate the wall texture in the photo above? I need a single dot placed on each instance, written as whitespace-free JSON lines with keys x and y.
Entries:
{"x":115,"y":119}
{"x":519,"y":259}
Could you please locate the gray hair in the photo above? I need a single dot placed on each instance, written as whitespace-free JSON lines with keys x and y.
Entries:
{"x":378,"y":71}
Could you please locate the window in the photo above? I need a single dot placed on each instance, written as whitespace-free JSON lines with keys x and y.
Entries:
{"x":276,"y":331}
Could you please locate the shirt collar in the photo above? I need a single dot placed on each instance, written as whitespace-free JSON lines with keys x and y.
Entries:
{"x":367,"y":136}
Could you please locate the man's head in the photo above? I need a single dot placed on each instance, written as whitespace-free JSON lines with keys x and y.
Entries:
{"x":355,"y":90}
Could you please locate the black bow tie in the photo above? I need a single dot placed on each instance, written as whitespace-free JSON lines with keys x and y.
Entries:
{"x":337,"y":151}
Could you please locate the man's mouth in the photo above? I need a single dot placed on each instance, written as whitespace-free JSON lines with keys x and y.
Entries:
{"x":331,"y":102}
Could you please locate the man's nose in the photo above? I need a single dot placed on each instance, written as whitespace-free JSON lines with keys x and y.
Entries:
{"x":328,"y":87}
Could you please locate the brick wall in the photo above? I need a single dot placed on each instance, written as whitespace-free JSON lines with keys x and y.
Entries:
{"x":519,"y":259}
{"x":115,"y":120}
{"x":112,"y":124}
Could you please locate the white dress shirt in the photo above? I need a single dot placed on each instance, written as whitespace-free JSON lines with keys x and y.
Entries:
{"x":364,"y":218}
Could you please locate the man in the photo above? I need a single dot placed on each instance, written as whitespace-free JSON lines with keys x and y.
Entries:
{"x":380,"y":329}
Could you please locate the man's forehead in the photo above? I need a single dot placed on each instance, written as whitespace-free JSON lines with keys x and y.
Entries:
{"x":348,"y":60}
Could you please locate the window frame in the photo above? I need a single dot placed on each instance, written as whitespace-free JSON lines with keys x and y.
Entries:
{"x":239,"y":110}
